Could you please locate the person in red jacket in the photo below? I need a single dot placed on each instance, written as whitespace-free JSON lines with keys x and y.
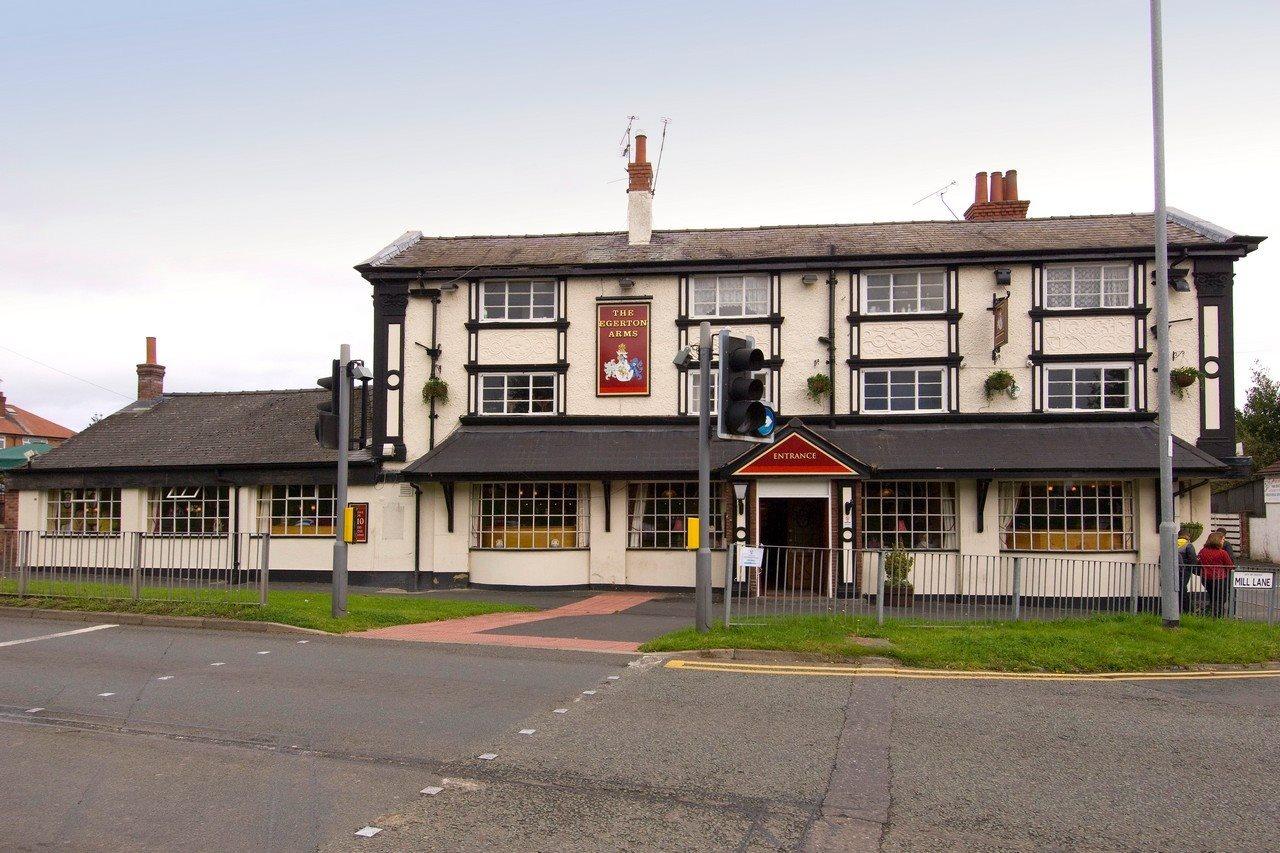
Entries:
{"x":1215,"y":571}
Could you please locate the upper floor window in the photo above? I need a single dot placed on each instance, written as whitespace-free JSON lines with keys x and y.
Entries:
{"x":297,"y":510}
{"x":904,"y":389}
{"x":918,"y":292}
{"x":182,"y":510}
{"x":518,"y":300}
{"x":1088,"y":286}
{"x":730,"y":295}
{"x":695,"y":395}
{"x":83,"y":511}
{"x":517,"y":393}
{"x":1088,"y":388}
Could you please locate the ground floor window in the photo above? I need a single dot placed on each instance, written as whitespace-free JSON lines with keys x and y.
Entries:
{"x":530,"y":515}
{"x":83,"y":511}
{"x":658,"y":514}
{"x":296,"y":510}
{"x":909,"y":514}
{"x":189,"y":510}
{"x":1066,"y":515}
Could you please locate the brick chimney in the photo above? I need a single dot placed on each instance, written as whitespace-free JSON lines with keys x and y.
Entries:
{"x":640,"y":195}
{"x":999,"y":202}
{"x":150,"y":374}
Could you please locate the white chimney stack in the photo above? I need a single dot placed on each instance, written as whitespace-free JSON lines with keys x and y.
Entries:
{"x":640,"y":195}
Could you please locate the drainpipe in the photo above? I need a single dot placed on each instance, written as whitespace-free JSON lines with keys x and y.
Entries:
{"x":831,"y":345}
{"x":434,"y":352}
{"x":417,"y":535}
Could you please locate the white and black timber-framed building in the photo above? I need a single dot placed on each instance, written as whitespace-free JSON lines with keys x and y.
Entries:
{"x":564,"y":452}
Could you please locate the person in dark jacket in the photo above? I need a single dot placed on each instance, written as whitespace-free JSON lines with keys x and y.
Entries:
{"x":1215,"y":570}
{"x":1188,"y":566}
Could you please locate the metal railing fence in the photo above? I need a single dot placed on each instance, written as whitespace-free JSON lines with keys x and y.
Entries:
{"x":777,"y":580}
{"x":222,"y":568}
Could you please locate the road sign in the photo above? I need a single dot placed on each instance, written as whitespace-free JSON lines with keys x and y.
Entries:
{"x":1255,"y":580}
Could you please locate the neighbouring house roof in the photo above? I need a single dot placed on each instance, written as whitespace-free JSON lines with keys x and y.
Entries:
{"x":993,"y":449}
{"x":215,"y":430}
{"x":1271,"y":470}
{"x":15,"y":420}
{"x":867,"y":241}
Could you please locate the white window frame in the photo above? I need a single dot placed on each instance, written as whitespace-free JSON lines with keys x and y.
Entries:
{"x":82,"y":512}
{"x":691,"y":384}
{"x":724,"y":283}
{"x":503,"y":285}
{"x":506,"y":399}
{"x":945,"y":381}
{"x":176,"y":507}
{"x":913,"y":501}
{"x":514,"y":516}
{"x":1100,"y":366}
{"x":1075,"y":297}
{"x":303,"y":505}
{"x":893,"y":308}
{"x":645,"y":499}
{"x":1050,"y":502}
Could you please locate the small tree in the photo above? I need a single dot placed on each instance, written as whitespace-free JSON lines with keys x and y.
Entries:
{"x":1258,"y":423}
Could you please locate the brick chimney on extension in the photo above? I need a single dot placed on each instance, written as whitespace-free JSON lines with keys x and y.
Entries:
{"x":150,"y":374}
{"x":640,"y":195}
{"x":1000,"y":202}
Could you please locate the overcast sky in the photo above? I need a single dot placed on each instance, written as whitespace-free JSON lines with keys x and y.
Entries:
{"x":210,"y":172}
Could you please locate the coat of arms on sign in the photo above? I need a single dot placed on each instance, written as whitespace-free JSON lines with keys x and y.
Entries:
{"x":622,"y":349}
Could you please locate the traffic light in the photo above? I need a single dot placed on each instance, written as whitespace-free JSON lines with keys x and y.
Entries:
{"x":740,"y":414}
{"x":327,"y":412}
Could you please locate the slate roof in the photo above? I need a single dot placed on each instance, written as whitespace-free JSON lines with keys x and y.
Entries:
{"x":916,"y":450}
{"x":871,"y":240}
{"x":213,"y":430}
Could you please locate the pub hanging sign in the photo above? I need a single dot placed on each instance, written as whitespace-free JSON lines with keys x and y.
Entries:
{"x":622,"y":349}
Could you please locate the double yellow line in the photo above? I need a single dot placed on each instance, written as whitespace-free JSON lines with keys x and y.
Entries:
{"x":960,"y":675}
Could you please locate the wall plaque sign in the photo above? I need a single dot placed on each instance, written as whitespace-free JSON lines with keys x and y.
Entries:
{"x":622,"y":349}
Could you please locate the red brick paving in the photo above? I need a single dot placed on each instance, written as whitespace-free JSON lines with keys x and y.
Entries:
{"x":471,"y":630}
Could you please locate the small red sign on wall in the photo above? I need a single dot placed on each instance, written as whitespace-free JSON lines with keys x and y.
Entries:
{"x":622,"y":349}
{"x":794,"y":455}
{"x":359,"y":523}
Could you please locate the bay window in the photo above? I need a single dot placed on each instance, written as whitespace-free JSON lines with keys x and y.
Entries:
{"x":1066,"y":515}
{"x":540,"y":516}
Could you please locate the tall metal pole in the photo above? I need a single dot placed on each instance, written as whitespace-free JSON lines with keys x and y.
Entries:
{"x":339,"y":607}
{"x":1168,"y":525}
{"x":702,"y":568}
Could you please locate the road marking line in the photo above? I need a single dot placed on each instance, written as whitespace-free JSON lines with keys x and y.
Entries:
{"x":218,"y":663}
{"x":527,"y":731}
{"x":612,"y":677}
{"x":54,"y":636}
{"x":368,"y":832}
{"x":431,"y":790}
{"x":488,"y":756}
{"x":105,"y":695}
{"x":264,"y":653}
{"x":560,"y":711}
{"x":588,"y":693}
{"x":164,"y":678}
{"x":34,"y":710}
{"x":303,"y":642}
{"x":961,"y":675}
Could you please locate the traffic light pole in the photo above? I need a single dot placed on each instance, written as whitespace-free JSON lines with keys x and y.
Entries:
{"x":339,"y":607}
{"x":702,"y":568}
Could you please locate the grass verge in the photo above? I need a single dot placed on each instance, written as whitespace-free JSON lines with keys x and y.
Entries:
{"x":291,"y":607}
{"x":1099,"y":644}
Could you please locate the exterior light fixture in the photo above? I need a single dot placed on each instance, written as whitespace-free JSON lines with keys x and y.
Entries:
{"x":626,"y":283}
{"x":1004,"y":277}
{"x":682,"y":357}
{"x":1178,"y":280}
{"x":740,"y":492}
{"x":809,"y":278}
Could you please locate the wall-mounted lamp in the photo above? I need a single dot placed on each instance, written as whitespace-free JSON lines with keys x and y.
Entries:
{"x":626,"y":283}
{"x":809,"y":278}
{"x":682,"y":357}
{"x":740,"y":492}
{"x":1178,"y":280}
{"x":1004,"y":277}
{"x":449,"y":287}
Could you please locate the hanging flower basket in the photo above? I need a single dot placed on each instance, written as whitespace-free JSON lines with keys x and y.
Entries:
{"x":1182,"y":378}
{"x":819,"y":386}
{"x":435,"y":389}
{"x":1000,"y":382}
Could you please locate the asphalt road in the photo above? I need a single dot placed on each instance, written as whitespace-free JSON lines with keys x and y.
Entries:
{"x":161,"y":739}
{"x":300,"y":747}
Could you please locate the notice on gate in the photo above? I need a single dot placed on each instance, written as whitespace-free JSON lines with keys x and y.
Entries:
{"x":750,"y":557}
{"x":1255,"y":580}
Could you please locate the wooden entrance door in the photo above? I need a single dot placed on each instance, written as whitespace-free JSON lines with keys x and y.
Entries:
{"x":800,"y":527}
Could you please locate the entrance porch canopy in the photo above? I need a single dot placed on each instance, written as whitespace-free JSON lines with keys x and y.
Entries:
{"x":640,"y":450}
